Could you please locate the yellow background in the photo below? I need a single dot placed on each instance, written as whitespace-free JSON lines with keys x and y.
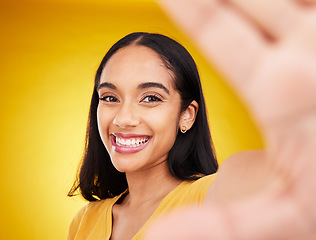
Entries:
{"x":50,"y":51}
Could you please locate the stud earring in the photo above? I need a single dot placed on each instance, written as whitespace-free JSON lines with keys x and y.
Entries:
{"x":183,"y":129}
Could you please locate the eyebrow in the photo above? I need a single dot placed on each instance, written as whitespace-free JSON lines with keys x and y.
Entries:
{"x":153,"y":84}
{"x":141,"y":86}
{"x":105,"y":85}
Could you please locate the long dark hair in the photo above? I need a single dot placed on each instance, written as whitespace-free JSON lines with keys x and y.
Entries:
{"x":192,"y":154}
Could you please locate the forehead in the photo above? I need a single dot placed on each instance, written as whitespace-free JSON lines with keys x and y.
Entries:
{"x":136,"y":64}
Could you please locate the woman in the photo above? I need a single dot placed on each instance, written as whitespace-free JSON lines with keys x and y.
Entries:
{"x":148,"y":145}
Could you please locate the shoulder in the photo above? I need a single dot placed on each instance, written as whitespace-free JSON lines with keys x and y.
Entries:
{"x":93,"y":207}
{"x":86,"y":216}
{"x":195,"y":191}
{"x":186,"y":194}
{"x":203,"y":182}
{"x":232,"y":180}
{"x":88,"y":209}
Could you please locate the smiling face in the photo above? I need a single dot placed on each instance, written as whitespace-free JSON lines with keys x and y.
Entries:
{"x":139,"y":109}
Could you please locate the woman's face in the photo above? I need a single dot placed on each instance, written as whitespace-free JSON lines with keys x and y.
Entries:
{"x":139,"y":109}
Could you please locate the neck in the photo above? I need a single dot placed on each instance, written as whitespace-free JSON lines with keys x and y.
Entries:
{"x":150,"y":185}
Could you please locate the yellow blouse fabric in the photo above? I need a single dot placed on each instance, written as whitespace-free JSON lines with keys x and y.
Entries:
{"x":94,"y":221}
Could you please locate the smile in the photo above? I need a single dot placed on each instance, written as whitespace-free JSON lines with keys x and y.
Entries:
{"x":129,"y":143}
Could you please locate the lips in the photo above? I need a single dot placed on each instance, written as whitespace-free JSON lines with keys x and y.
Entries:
{"x":129,"y":143}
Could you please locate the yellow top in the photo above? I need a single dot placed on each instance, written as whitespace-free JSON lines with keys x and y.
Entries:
{"x":94,"y":221}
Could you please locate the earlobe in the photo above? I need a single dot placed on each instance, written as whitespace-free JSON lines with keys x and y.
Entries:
{"x":188,"y":116}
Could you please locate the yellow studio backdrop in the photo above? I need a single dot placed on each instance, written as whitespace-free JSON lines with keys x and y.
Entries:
{"x":50,"y":51}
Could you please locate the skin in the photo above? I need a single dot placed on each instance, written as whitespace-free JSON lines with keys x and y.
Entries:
{"x":130,"y":107}
{"x":276,"y":78}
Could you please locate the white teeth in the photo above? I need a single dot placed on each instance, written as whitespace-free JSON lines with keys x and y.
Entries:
{"x":131,"y":142}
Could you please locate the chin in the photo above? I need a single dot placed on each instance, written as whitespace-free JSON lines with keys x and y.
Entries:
{"x":124,"y":166}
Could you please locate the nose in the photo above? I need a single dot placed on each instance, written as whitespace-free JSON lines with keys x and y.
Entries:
{"x":126,"y":117}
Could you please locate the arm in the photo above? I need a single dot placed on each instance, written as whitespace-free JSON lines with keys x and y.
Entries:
{"x":267,"y":50}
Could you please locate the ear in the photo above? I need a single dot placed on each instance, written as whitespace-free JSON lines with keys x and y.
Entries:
{"x":187,"y":118}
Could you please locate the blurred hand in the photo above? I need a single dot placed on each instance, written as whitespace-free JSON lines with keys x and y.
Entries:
{"x":266,"y":49}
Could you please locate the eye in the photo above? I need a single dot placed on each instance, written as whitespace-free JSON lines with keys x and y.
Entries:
{"x":109,"y":99}
{"x":151,"y":98}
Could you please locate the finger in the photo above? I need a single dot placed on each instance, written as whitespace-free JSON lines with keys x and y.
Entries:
{"x":307,"y":2}
{"x":276,"y":17}
{"x":226,"y":39}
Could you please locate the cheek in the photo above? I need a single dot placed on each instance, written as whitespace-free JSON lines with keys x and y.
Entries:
{"x":103,"y":121}
{"x":165,"y":125}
